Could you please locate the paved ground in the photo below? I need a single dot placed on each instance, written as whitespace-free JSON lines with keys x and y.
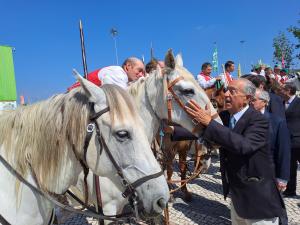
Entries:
{"x":208,"y":206}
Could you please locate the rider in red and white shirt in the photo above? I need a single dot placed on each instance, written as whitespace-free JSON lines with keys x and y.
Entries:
{"x":204,"y":79}
{"x":276,"y":70}
{"x":284,"y":76}
{"x":131,"y":70}
{"x":229,"y":68}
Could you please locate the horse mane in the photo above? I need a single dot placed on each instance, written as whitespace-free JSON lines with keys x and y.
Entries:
{"x":39,"y":136}
{"x":137,"y":86}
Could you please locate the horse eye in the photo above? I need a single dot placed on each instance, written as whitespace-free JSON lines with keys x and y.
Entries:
{"x":122,"y":135}
{"x":188,"y":92}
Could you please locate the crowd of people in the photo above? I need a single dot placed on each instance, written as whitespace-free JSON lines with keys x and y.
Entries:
{"x":259,"y":138}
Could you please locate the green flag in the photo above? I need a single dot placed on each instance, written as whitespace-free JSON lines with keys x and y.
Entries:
{"x":215,"y":60}
{"x":8,"y":90}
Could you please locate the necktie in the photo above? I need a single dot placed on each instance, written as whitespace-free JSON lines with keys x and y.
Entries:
{"x":232,"y":122}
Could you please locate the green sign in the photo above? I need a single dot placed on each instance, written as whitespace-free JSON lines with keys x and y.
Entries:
{"x":8,"y":90}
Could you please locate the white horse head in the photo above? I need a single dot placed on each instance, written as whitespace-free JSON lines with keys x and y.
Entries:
{"x":129,"y":146}
{"x":44,"y":143}
{"x":176,"y":83}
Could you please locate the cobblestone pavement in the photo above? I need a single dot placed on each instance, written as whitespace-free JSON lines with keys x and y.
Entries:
{"x":208,"y":206}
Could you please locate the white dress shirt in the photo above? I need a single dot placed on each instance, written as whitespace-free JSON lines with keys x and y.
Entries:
{"x":239,"y":114}
{"x":287,"y":104}
{"x":205,"y":83}
{"x":113,"y":75}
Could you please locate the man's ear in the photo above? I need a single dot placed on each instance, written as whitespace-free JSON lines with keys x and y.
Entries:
{"x":127,"y":66}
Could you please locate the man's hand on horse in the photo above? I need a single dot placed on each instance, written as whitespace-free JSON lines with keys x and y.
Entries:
{"x":200,"y":115}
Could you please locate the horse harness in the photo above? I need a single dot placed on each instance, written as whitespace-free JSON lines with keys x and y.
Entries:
{"x":171,"y":94}
{"x":130,"y":188}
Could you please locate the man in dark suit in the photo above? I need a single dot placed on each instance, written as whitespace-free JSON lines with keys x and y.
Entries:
{"x":245,"y":157}
{"x":275,"y":105}
{"x":279,"y":136}
{"x":292,"y":112}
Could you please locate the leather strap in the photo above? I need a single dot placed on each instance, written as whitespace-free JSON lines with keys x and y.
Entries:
{"x":139,"y":182}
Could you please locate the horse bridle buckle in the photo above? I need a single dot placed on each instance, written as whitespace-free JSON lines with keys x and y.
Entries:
{"x":195,"y":122}
{"x":90,"y":128}
{"x":169,"y":96}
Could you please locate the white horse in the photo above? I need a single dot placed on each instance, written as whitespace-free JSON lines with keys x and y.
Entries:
{"x":45,"y":144}
{"x":150,"y":95}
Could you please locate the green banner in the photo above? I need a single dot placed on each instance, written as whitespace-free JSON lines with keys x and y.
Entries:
{"x":8,"y":90}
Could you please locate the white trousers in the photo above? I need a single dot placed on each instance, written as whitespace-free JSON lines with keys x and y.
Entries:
{"x":236,"y":220}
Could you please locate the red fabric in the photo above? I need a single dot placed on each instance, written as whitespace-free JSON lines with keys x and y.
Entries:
{"x":207,"y":78}
{"x":228,"y":77}
{"x":92,"y":77}
{"x":283,"y":79}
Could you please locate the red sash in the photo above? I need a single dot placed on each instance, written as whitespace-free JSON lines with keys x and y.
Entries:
{"x":207,"y":78}
{"x":283,"y":79}
{"x":92,"y":77}
{"x":228,"y":77}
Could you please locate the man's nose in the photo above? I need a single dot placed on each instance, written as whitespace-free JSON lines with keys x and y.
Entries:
{"x":227,"y":94}
{"x":140,"y":74}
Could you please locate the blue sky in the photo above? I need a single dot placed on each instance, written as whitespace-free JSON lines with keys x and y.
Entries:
{"x":46,"y":37}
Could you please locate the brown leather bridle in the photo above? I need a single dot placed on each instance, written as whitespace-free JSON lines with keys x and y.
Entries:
{"x":172,"y":95}
{"x":130,"y":188}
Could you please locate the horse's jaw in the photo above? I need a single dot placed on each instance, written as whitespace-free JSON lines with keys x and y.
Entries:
{"x":149,"y":108}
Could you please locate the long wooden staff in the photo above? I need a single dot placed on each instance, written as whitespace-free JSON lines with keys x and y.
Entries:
{"x":83,"y":50}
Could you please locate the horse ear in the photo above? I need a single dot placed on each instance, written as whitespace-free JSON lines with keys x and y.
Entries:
{"x":90,"y":89}
{"x":169,"y":59}
{"x":179,"y":60}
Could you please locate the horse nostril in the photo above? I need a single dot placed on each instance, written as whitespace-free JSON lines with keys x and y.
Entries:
{"x":162,"y":203}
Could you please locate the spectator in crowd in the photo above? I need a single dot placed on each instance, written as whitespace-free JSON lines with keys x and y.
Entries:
{"x":279,"y":136}
{"x":292,"y":112}
{"x":283,"y":76}
{"x":152,"y":65}
{"x":277,"y":69}
{"x":275,"y":105}
{"x":229,"y":68}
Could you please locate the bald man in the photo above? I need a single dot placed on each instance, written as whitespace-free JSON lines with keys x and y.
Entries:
{"x":131,"y":70}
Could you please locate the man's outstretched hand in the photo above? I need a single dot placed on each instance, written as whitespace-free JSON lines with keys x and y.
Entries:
{"x":200,"y":115}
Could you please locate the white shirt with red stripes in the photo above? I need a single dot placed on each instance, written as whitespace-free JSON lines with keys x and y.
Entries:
{"x":205,"y":81}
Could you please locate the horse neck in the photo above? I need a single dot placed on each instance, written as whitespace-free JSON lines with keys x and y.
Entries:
{"x":149,"y":108}
{"x":67,"y":175}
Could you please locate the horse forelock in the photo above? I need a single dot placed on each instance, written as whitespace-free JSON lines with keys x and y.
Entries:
{"x":119,"y":102}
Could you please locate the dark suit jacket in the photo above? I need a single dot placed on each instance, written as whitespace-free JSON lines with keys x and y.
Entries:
{"x":246,"y":165}
{"x":293,"y":122}
{"x":280,"y":145}
{"x":276,"y":105}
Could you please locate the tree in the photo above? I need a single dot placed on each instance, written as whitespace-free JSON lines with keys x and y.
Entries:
{"x":283,"y":48}
{"x":296,"y":32}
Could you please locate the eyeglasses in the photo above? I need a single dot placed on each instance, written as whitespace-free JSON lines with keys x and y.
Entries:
{"x":233,"y":91}
{"x":255,"y":99}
